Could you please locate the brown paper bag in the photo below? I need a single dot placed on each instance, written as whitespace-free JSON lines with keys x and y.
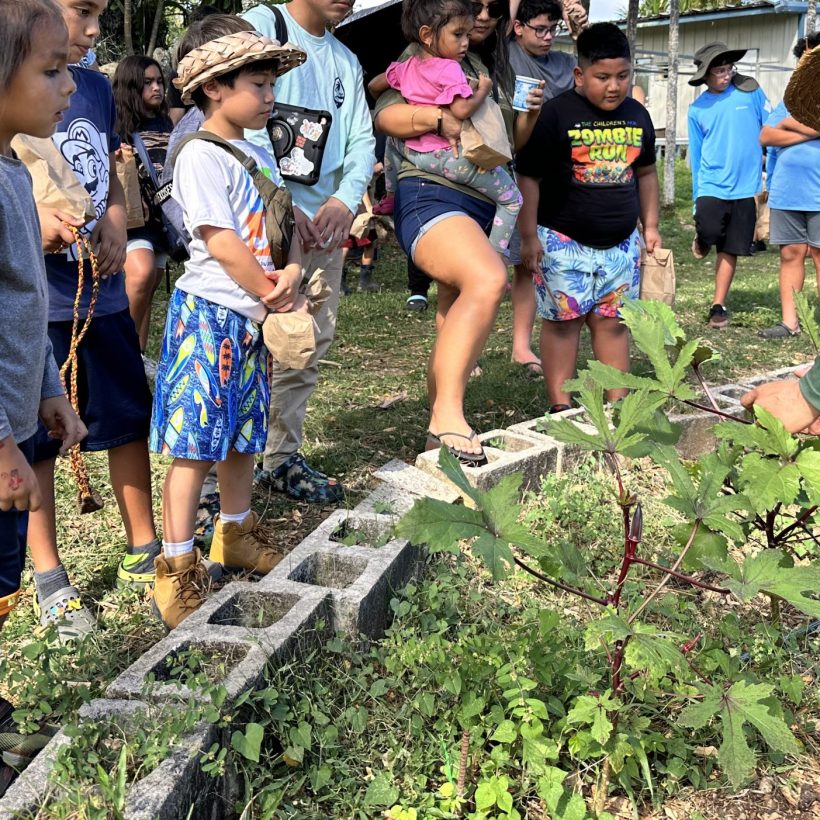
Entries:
{"x":55,"y":184}
{"x":291,"y":337}
{"x":658,"y":276}
{"x":484,"y":138}
{"x":129,"y":179}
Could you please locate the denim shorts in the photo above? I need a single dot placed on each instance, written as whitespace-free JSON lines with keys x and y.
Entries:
{"x":13,"y":527}
{"x":420,"y":204}
{"x":113,"y":393}
{"x":576,"y":279}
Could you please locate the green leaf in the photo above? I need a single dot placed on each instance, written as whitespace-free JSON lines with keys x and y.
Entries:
{"x":610,"y":378}
{"x":808,"y":462}
{"x":608,"y":629}
{"x":653,"y":651}
{"x":569,"y":432}
{"x":485,"y":796}
{"x":767,"y":435}
{"x":452,"y":469}
{"x":495,"y":553}
{"x":536,"y":748}
{"x":249,"y":742}
{"x":805,"y":315}
{"x":705,"y":545}
{"x":440,"y":525}
{"x":637,"y":408}
{"x":766,"y":482}
{"x":505,"y":732}
{"x":589,"y":710}
{"x":381,"y":791}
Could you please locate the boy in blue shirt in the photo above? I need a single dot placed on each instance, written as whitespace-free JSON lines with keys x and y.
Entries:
{"x":727,"y":164}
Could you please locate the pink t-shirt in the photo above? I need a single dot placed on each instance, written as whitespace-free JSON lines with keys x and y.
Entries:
{"x":434,"y":81}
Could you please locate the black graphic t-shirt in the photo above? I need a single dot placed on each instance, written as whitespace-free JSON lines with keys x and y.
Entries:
{"x":585,"y":159}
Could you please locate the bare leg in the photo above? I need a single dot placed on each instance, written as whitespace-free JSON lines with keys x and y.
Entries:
{"x":610,"y":344}
{"x":130,"y":474}
{"x":235,"y":482}
{"x":792,"y":276}
{"x":559,"y":352}
{"x":180,"y":498}
{"x":815,"y":255}
{"x":42,"y":525}
{"x":523,"y":309}
{"x":456,"y":253}
{"x":724,"y":273}
{"x":140,"y":283}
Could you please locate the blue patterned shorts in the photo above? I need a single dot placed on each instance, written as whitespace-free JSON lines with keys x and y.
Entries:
{"x":576,"y":280}
{"x":212,"y":389}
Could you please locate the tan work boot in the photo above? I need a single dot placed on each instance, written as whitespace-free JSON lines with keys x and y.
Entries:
{"x":235,"y":546}
{"x":181,"y":586}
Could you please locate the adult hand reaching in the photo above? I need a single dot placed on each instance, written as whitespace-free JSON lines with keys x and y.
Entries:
{"x":784,"y":400}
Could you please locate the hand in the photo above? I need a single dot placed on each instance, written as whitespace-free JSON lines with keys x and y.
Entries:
{"x":62,"y":422}
{"x":485,"y":83}
{"x":18,"y":484}
{"x":652,"y":239}
{"x":451,"y":129}
{"x":56,"y":236}
{"x":109,"y":239}
{"x":284,"y":296}
{"x":333,"y":221}
{"x":784,"y":400}
{"x":378,"y":168}
{"x":308,"y":234}
{"x":531,"y":254}
{"x":535,"y":99}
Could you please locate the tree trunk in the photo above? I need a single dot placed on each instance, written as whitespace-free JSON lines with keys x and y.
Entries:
{"x":632,"y":25}
{"x":127,"y":12}
{"x":152,"y":41}
{"x":671,"y":105}
{"x":811,"y":17}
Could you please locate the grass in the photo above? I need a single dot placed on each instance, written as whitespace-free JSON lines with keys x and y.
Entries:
{"x":380,"y":355}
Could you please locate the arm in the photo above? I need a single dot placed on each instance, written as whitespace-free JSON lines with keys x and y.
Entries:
{"x":464,"y":107}
{"x":109,"y":236}
{"x":795,"y":403}
{"x":695,"y":145}
{"x":791,"y":124}
{"x":378,"y":85}
{"x":781,"y":137}
{"x":531,"y":251}
{"x":648,"y":194}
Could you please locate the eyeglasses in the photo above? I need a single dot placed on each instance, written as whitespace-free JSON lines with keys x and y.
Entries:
{"x":541,"y":32}
{"x":722,"y":71}
{"x":495,"y":9}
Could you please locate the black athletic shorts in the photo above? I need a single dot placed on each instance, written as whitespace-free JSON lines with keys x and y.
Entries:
{"x":726,"y":224}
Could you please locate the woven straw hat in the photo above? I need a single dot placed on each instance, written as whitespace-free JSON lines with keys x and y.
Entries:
{"x":802,"y":96}
{"x":228,"y":53}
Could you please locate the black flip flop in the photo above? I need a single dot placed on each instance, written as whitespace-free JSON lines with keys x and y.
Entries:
{"x":465,"y":458}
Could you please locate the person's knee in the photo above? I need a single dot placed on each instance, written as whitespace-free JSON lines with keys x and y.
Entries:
{"x":792,"y":253}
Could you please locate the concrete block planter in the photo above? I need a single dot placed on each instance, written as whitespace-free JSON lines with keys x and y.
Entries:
{"x":696,"y":436}
{"x":507,"y":452}
{"x":177,"y":787}
{"x":388,"y":500}
{"x":772,"y":375}
{"x":418,"y":482}
{"x":236,"y":663}
{"x":568,"y":454}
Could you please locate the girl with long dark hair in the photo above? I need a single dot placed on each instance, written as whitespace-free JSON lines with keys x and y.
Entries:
{"x":139,"y":92}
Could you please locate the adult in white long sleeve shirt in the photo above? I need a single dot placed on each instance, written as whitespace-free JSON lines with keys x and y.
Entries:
{"x":330,"y":80}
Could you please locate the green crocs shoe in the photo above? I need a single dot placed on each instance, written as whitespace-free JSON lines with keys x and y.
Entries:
{"x":64,"y":610}
{"x":136,"y":570}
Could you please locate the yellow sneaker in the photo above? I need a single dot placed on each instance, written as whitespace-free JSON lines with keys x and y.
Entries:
{"x":236,"y":546}
{"x":180,"y":588}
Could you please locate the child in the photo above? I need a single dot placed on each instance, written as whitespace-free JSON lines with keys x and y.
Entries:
{"x":212,"y":390}
{"x":434,"y":77}
{"x":139,"y":94}
{"x":587,"y":174}
{"x":114,"y":395}
{"x":35,"y":87}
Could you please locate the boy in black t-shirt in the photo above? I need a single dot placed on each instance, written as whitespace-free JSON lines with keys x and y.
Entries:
{"x":587,"y":175}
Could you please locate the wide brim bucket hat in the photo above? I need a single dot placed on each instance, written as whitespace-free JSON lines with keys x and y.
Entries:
{"x":218,"y":57}
{"x":708,"y":54}
{"x":802,"y":97}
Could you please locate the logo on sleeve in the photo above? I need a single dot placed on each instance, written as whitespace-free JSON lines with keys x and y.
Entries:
{"x":338,"y":92}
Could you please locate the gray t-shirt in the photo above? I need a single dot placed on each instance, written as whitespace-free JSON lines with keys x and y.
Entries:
{"x":555,"y":68}
{"x":28,"y":372}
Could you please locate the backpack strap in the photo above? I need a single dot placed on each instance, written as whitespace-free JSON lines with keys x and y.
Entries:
{"x":280,"y":27}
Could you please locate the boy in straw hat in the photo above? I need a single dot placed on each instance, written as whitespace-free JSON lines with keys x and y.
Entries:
{"x":797,"y":403}
{"x":212,"y":394}
{"x":727,"y":164}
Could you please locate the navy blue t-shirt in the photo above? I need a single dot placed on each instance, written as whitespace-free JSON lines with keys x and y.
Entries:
{"x":86,"y":137}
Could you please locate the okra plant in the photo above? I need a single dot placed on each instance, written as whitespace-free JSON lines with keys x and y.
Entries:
{"x":744,"y":526}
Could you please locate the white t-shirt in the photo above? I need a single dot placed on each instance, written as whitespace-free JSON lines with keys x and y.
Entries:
{"x":212,"y":188}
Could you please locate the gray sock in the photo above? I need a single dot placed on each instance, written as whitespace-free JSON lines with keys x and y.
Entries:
{"x":51,"y":581}
{"x":152,"y":548}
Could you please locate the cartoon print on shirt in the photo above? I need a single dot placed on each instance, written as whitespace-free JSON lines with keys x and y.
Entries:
{"x":338,"y":92}
{"x":604,"y":155}
{"x":83,"y":147}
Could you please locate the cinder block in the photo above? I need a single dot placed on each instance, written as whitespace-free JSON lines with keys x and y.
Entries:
{"x":418,"y":482}
{"x":236,"y":663}
{"x":388,"y":500}
{"x":568,"y":454}
{"x":360,"y":580}
{"x":728,"y":391}
{"x":276,"y":617}
{"x":772,"y":375}
{"x":507,"y":453}
{"x":696,"y":436}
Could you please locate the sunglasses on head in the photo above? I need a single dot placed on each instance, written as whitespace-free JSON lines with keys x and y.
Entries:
{"x":495,"y":8}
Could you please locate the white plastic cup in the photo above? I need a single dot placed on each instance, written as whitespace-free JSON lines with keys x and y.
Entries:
{"x":523,"y":86}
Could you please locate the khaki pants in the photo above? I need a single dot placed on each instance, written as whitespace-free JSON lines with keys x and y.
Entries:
{"x":291,"y":389}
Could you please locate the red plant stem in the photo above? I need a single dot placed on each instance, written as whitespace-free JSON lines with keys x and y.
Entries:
{"x":680,"y":576}
{"x":720,"y":413}
{"x":807,"y":514}
{"x":558,"y":585}
{"x":705,"y":387}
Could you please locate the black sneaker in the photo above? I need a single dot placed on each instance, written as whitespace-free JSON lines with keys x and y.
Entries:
{"x":300,"y":481}
{"x":718,"y":317}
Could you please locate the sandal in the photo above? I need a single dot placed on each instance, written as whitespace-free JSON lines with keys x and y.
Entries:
{"x":559,"y":408}
{"x":532,"y":369}
{"x":464,"y":458}
{"x":779,"y":331}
